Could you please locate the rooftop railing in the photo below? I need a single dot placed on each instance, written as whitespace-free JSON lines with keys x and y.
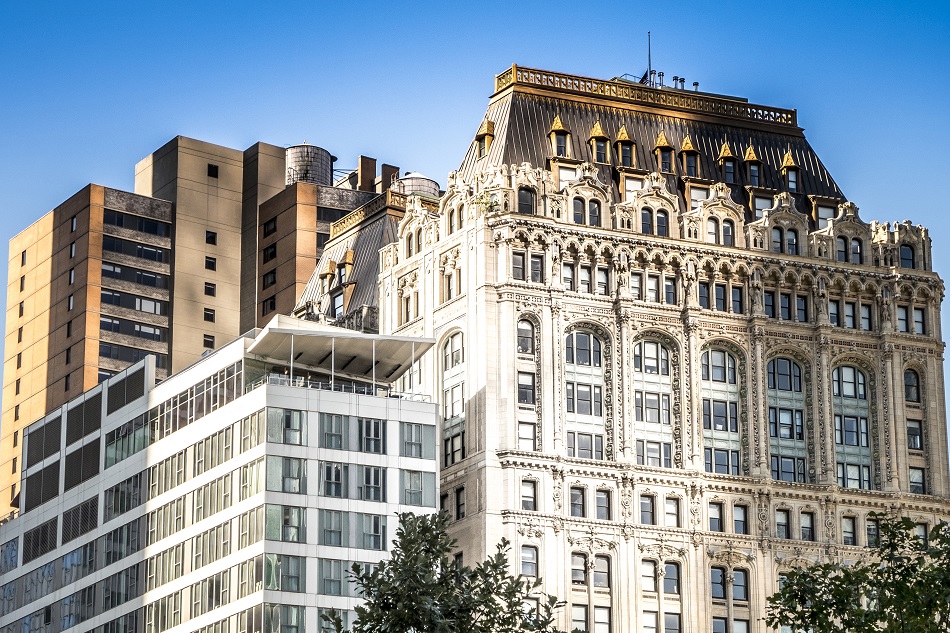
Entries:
{"x":646,"y":95}
{"x":382,"y":391}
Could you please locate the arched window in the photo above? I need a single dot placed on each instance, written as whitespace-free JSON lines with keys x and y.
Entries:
{"x":778,"y":240}
{"x":784,"y":375}
{"x":451,"y":221}
{"x":594,"y":213}
{"x":582,"y":348}
{"x":651,"y":358}
{"x":578,"y":210}
{"x":409,"y":245}
{"x":911,"y":386}
{"x":728,"y":233}
{"x":662,"y":224}
{"x":842,"y":249}
{"x":719,"y":366}
{"x":907,"y":256}
{"x":419,"y":240}
{"x":525,"y":337}
{"x":849,"y":382}
{"x":453,"y":352}
{"x":791,"y":242}
{"x":461,"y":215}
{"x":646,"y":221}
{"x":712,"y":231}
{"x":525,"y":201}
{"x":857,"y":248}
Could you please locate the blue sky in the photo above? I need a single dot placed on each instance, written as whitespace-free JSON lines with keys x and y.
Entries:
{"x":88,"y":89}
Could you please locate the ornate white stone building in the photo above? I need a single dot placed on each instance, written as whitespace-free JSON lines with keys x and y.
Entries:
{"x":674,"y":360}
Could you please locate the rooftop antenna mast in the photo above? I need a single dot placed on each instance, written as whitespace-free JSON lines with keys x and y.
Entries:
{"x":650,"y":60}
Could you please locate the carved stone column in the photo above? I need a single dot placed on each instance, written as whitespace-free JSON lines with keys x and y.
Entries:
{"x":759,"y":440}
{"x":892,"y":461}
{"x":623,"y":412}
{"x":824,"y":428}
{"x":691,"y":424}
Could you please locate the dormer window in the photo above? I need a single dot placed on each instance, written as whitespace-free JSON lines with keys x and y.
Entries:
{"x":824,"y":214}
{"x":626,"y":154}
{"x":729,"y":171}
{"x":754,"y":170}
{"x":790,"y":170}
{"x":666,"y":160}
{"x":559,"y":137}
{"x":525,"y":201}
{"x":762,"y":204}
{"x":690,"y":158}
{"x":486,"y":133}
{"x":791,"y":180}
{"x":664,"y":153}
{"x":598,"y":143}
{"x":624,"y":147}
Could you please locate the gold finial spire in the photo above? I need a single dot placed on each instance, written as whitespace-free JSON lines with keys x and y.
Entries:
{"x":750,"y":154}
{"x":725,"y":151}
{"x":597,"y":131}
{"x":557,"y":126}
{"x":788,"y":161}
{"x":687,"y":145}
{"x":622,"y":135}
{"x":661,"y":140}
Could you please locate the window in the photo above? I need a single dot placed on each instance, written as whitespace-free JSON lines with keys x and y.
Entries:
{"x":270,"y":227}
{"x":626,"y":154}
{"x":728,"y":233}
{"x":648,"y":575}
{"x":719,"y":366}
{"x":578,"y":210}
{"x":872,"y":527}
{"x":784,"y":375}
{"x":666,"y":160}
{"x":740,"y":519}
{"x":782,"y":525}
{"x":526,"y":436}
{"x":647,"y":510}
{"x":721,"y":415}
{"x":712,"y":231}
{"x":769,"y":303}
{"x":808,"y":526}
{"x":210,"y":289}
{"x":269,"y":279}
{"x":529,"y":561}
{"x":577,"y":502}
{"x":584,"y":282}
{"x":791,"y":178}
{"x":517,"y":266}
{"x":729,"y":171}
{"x":603,"y":505}
{"x":915,"y":438}
{"x":459,"y":503}
{"x":646,"y":221}
{"x":209,"y":315}
{"x":211,"y":237}
{"x":856,"y":250}
{"x":72,"y":250}
{"x":854,"y":476}
{"x":582,"y":348}
{"x":212,"y":171}
{"x":269,"y":252}
{"x":651,"y":358}
{"x":907,"y":256}
{"x":649,"y":453}
{"x":692,"y":169}
{"x":847,"y":531}
{"x":211,"y":263}
{"x":525,"y":201}
{"x":778,"y":240}
{"x":567,"y":276}
{"x":525,"y":337}
{"x":601,"y":572}
{"x":671,"y":581}
{"x":208,"y":341}
{"x":69,"y":303}
{"x":919,"y":321}
{"x":526,"y":394}
{"x":672,"y":512}
{"x":916,"y":478}
{"x":593,"y":213}
{"x":585,"y":445}
{"x":269,"y":304}
{"x":579,"y":569}
{"x":849,"y":382}
{"x":537,"y":269}
{"x":602,"y":277}
{"x":717,"y":586}
{"x":715,"y":517}
{"x":560,"y":143}
{"x":66,"y":382}
{"x":529,"y":495}
{"x":452,"y":352}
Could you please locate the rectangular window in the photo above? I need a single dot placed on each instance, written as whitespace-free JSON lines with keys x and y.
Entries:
{"x":212,"y":170}
{"x":672,"y":512}
{"x":211,"y":263}
{"x":915,"y":437}
{"x":269,"y":253}
{"x":529,"y":495}
{"x":918,"y":321}
{"x":517,"y":266}
{"x":577,"y":502}
{"x":866,"y":318}
{"x":903,"y":324}
{"x":917,"y":481}
{"x":808,"y":526}
{"x":721,"y":297}
{"x":833,"y":316}
{"x":567,"y":275}
{"x":209,"y":315}
{"x":647,"y":510}
{"x":526,"y":394}
{"x":782,"y":526}
{"x":269,"y":227}
{"x":537,"y":269}
{"x":704,"y":295}
{"x":769,"y":303}
{"x":786,"y":306}
{"x":526,"y":436}
{"x":715,"y":517}
{"x":211,"y":238}
{"x":584,"y":285}
{"x":801,"y":309}
{"x":210,"y":289}
{"x":738,"y":305}
{"x":847,"y":531}
{"x":603,"y":505}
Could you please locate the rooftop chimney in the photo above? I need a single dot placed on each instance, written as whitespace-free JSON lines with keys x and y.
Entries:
{"x":366,"y":174}
{"x":695,"y":86}
{"x":661,"y":79}
{"x":388,"y":173}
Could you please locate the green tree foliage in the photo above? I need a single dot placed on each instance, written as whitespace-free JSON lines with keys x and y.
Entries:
{"x":421,"y":589}
{"x":900,"y":586}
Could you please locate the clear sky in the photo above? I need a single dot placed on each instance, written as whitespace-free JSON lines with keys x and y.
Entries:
{"x":89,"y":88}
